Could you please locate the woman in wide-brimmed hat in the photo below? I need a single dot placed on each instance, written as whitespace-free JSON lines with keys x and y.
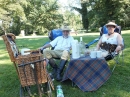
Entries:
{"x":112,"y":38}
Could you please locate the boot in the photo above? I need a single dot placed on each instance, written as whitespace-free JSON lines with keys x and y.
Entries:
{"x":54,"y":66}
{"x":60,"y":69}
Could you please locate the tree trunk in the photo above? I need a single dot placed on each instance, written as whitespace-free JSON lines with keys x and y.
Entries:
{"x":84,"y":13}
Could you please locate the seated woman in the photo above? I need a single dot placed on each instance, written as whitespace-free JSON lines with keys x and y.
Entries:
{"x":111,"y":42}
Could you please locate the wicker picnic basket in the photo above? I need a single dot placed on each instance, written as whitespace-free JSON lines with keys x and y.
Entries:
{"x":26,"y":72}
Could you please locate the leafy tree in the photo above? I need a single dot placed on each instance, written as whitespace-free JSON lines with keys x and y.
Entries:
{"x":104,"y":10}
{"x":72,"y":19}
{"x":42,"y":16}
{"x":84,"y":13}
{"x":100,"y":11}
{"x":9,"y":9}
{"x":31,"y":15}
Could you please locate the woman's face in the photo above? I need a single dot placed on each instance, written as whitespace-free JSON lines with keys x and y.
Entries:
{"x":111,"y":29}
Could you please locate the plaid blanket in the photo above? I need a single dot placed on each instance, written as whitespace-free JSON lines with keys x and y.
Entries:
{"x":88,"y":74}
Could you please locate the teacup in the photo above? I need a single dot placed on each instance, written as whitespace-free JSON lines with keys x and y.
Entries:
{"x":99,"y":54}
{"x":93,"y":54}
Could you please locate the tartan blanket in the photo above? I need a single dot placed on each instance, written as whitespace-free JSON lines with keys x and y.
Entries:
{"x":88,"y":74}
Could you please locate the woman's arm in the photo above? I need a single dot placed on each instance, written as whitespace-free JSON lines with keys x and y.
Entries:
{"x":98,"y":44}
{"x":120,"y":43}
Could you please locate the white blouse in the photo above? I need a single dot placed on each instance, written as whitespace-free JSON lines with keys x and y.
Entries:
{"x":111,"y":40}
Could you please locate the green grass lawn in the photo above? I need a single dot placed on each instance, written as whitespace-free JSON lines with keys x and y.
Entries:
{"x":118,"y":84}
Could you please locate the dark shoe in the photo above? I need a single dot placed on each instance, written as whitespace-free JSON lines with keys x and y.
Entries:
{"x":60,"y":69}
{"x":54,"y":66}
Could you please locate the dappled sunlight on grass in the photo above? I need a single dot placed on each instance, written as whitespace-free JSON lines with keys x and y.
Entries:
{"x":5,"y":62}
{"x":122,"y":93}
{"x":127,"y":49}
{"x":4,"y":58}
{"x":3,"y":55}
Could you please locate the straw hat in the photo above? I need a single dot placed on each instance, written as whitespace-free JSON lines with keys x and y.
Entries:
{"x":111,"y":24}
{"x":65,"y":28}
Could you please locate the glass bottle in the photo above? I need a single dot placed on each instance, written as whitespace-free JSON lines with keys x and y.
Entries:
{"x":81,"y":47}
{"x":59,"y":91}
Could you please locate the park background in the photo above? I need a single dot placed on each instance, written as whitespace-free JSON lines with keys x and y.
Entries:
{"x":37,"y":17}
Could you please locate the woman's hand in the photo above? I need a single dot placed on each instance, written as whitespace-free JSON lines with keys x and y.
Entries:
{"x":118,"y":48}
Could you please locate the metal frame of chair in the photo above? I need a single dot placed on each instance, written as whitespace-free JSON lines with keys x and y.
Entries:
{"x":31,"y":70}
{"x":116,"y":57}
{"x":52,"y":35}
{"x":102,"y":31}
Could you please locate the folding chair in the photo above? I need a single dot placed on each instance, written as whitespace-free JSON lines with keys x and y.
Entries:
{"x":53,"y":34}
{"x":103,"y":30}
{"x":31,"y":69}
{"x":116,"y":57}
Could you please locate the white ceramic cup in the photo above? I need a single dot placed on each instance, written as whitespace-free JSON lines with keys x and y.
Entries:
{"x":93,"y":54}
{"x":99,"y":54}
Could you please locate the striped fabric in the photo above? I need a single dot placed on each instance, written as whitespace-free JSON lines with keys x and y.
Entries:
{"x":88,"y":74}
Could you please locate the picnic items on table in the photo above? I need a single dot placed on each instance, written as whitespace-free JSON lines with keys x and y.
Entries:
{"x":78,"y":49}
{"x":75,"y":49}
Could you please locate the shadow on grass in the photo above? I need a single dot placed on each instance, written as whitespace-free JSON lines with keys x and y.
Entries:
{"x":9,"y":81}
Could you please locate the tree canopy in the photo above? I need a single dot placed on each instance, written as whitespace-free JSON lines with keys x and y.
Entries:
{"x":40,"y":16}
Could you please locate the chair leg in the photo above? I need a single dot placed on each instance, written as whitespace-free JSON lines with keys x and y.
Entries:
{"x":49,"y":91}
{"x":21,"y":91}
{"x":73,"y":84}
{"x":25,"y":91}
{"x":29,"y":90}
{"x":116,"y":62}
{"x":36,"y":80}
{"x":122,"y":57}
{"x":114,"y":68}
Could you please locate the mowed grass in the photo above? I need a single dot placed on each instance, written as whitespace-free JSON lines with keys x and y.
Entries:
{"x":118,"y":84}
